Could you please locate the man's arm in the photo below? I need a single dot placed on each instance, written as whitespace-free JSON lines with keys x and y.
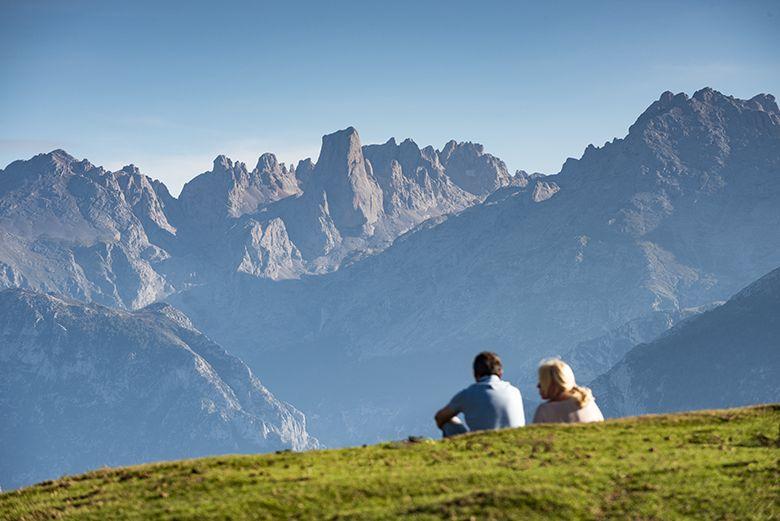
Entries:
{"x":444,"y":415}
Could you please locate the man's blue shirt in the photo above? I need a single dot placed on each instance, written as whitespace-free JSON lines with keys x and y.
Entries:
{"x":490,"y":403}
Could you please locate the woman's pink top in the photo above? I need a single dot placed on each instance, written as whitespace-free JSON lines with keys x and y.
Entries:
{"x":568,"y":411}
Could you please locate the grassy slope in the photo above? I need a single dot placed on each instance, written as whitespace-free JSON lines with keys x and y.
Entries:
{"x":708,"y":465}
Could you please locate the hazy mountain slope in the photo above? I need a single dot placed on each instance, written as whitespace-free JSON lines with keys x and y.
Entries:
{"x":82,"y":386}
{"x":725,"y":357}
{"x":680,"y":213}
{"x":593,"y":357}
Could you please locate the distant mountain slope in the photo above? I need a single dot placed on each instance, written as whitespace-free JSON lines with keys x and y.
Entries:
{"x":593,"y":357}
{"x":680,"y":213}
{"x":709,"y":465}
{"x":725,"y":357}
{"x":82,"y":386}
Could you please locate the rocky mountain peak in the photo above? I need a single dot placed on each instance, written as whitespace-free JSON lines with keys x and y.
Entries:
{"x":60,"y":155}
{"x":58,"y":161}
{"x":705,"y":94}
{"x":469,"y":167}
{"x":267,"y":163}
{"x":340,"y":148}
{"x":229,"y":190}
{"x":107,"y":366}
{"x":342,"y":173}
{"x":130,"y":169}
{"x":430,"y":154}
{"x":222,"y":163}
{"x":683,"y":143}
{"x":765,"y":102}
{"x":303,"y":171}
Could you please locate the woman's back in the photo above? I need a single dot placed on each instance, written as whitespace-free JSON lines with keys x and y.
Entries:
{"x":568,"y":411}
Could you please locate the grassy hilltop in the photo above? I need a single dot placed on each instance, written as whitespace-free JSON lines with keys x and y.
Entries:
{"x":706,"y":465}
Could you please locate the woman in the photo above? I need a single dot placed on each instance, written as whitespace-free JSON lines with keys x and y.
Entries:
{"x":566,"y":402}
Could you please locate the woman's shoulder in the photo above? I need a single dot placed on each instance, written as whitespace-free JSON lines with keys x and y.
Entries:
{"x":542,"y":412}
{"x":591,"y":412}
{"x":552,"y":411}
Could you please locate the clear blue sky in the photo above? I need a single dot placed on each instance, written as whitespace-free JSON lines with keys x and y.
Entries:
{"x":168,"y":86}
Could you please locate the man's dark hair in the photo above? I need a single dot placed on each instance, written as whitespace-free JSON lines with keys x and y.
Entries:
{"x":487,"y":363}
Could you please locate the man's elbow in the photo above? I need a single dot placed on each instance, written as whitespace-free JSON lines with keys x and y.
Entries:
{"x":442,"y":416}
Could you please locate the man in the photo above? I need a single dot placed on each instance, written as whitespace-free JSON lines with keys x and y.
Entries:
{"x":490,"y":403}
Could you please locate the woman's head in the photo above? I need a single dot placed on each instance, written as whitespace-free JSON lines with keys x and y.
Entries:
{"x":556,"y":380}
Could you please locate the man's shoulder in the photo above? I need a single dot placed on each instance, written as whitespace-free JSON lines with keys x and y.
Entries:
{"x":502,"y":386}
{"x":507,"y":386}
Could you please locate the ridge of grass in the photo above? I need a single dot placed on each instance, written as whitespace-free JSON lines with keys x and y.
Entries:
{"x":704,"y":465}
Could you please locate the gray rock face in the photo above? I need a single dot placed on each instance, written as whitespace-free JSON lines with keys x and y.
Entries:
{"x":414,"y":184}
{"x":472,"y":169}
{"x":346,"y":181}
{"x":644,"y":224}
{"x":83,"y":386}
{"x":69,"y":227}
{"x":268,"y":252}
{"x":725,"y":357}
{"x":230,"y":190}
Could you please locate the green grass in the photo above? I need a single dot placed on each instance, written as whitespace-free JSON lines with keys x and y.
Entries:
{"x":704,"y":465}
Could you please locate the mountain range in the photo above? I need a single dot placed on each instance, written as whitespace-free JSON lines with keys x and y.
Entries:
{"x":360,"y":287}
{"x":680,"y":213}
{"x":120,"y":239}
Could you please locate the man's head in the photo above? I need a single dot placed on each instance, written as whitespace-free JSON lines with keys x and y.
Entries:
{"x":487,"y":363}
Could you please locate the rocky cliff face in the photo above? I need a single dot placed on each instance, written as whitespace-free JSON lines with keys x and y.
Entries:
{"x":83,"y":386}
{"x":229,"y":190}
{"x":725,"y":357}
{"x":472,"y":169}
{"x":76,"y":229}
{"x":414,"y":184}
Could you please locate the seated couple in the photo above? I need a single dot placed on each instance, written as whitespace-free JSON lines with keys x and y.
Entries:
{"x":492,"y":403}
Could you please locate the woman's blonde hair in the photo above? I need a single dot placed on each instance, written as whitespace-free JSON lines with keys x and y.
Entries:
{"x":555,"y":371}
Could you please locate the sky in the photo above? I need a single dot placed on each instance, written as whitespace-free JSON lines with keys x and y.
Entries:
{"x":168,"y":86}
